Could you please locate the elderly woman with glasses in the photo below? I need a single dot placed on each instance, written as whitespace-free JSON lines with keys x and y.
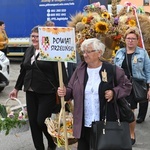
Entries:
{"x":91,"y":86}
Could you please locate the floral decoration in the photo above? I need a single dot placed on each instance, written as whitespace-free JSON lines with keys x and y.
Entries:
{"x":96,"y":22}
{"x":10,"y":119}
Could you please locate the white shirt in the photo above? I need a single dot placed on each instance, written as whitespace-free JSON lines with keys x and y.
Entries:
{"x":91,"y":101}
{"x":33,"y":57}
{"x":32,"y":60}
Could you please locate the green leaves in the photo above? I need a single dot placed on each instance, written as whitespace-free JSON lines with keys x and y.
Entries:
{"x":3,"y":111}
{"x":8,"y":123}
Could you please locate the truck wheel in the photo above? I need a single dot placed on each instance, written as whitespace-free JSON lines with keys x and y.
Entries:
{"x":1,"y":89}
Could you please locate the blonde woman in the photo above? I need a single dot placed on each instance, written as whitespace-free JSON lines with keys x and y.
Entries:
{"x":138,"y":66}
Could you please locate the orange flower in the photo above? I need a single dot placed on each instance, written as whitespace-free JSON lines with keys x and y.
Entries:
{"x":117,"y":37}
{"x":84,"y":20}
{"x":131,"y":23}
{"x":89,"y":19}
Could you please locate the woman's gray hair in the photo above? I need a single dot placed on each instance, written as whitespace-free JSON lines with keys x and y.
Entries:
{"x":95,"y":43}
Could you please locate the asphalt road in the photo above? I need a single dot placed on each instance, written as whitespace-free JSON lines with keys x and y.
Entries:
{"x":23,"y":141}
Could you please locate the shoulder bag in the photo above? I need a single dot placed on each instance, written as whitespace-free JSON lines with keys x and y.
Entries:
{"x":110,"y":135}
{"x":139,"y":87}
{"x":126,"y":113}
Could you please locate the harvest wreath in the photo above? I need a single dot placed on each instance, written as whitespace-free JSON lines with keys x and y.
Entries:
{"x":12,"y":118}
{"x":96,"y":22}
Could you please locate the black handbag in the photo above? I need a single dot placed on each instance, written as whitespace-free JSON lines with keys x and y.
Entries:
{"x":109,"y":135}
{"x":126,"y":113}
{"x":139,"y":90}
{"x":139,"y":87}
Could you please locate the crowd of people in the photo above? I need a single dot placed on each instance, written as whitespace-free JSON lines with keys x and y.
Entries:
{"x":139,"y":64}
{"x":89,"y":83}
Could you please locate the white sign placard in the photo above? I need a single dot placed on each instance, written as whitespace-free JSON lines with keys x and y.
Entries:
{"x":57,"y":44}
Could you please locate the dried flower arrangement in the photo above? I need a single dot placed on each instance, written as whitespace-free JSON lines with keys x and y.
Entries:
{"x":55,"y":126}
{"x":96,"y":21}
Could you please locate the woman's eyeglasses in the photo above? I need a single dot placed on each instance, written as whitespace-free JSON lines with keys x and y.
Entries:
{"x":34,"y":36}
{"x":131,"y":39}
{"x":88,"y":51}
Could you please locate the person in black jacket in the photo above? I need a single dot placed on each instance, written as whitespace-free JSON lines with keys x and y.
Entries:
{"x":40,"y":80}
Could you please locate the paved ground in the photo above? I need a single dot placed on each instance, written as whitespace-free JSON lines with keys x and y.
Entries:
{"x":23,"y":141}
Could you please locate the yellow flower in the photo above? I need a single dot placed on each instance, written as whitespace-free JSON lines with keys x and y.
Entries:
{"x":117,"y":47}
{"x":132,"y":23}
{"x":84,"y":20}
{"x":101,"y":27}
{"x":113,"y":53}
{"x":105,"y":15}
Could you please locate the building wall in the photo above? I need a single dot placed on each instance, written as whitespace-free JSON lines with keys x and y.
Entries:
{"x":138,"y":3}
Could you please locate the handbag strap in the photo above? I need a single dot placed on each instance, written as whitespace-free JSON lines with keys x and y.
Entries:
{"x":105,"y":117}
{"x":35,"y":57}
{"x":116,"y":95}
{"x":115,"y":100}
{"x":57,"y":97}
{"x":117,"y":113}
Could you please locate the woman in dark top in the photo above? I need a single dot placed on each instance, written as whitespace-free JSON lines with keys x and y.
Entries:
{"x":139,"y":64}
{"x":40,"y":81}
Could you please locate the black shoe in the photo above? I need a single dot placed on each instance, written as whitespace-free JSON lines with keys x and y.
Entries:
{"x":139,"y":120}
{"x":133,"y":141}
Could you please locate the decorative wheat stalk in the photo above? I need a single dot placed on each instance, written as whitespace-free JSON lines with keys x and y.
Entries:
{"x":114,"y":8}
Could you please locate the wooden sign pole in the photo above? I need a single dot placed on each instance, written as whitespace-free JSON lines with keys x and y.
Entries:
{"x":63,"y":105}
